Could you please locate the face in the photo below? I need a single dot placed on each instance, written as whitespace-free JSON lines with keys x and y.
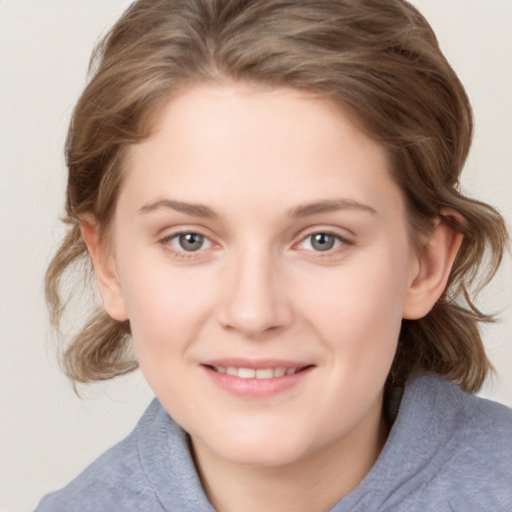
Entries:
{"x":260,"y":252}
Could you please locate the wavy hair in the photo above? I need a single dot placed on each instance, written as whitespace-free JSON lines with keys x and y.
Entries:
{"x":379,"y":60}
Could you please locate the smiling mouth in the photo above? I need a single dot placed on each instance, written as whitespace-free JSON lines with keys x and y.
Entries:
{"x":260,"y":373}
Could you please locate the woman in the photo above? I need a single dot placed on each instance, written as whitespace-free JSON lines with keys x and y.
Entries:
{"x":268,"y":194}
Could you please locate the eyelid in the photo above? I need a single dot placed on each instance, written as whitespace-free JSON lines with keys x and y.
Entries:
{"x":344,"y":240}
{"x":171,"y":231}
{"x":309,"y":232}
{"x":170,"y":239}
{"x":165,"y":241}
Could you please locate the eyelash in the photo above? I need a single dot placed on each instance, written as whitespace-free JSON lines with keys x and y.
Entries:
{"x":339,"y":241}
{"x":182,"y":253}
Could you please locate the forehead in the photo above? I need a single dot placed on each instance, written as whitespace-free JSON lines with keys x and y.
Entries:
{"x":238,"y":143}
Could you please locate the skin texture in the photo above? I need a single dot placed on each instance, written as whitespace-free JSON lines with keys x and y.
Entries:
{"x":269,"y":170}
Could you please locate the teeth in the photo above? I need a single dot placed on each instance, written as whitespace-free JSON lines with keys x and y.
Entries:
{"x":246,"y":373}
{"x":265,"y":374}
{"x":251,"y":373}
{"x":279,"y":372}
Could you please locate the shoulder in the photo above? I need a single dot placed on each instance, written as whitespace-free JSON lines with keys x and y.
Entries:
{"x":489,"y":429}
{"x":470,"y":463}
{"x":447,"y":451}
{"x":475,"y":429}
{"x":479,"y":469}
{"x":114,"y":481}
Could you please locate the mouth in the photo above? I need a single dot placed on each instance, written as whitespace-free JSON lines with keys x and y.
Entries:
{"x":256,"y":379}
{"x":257,"y":373}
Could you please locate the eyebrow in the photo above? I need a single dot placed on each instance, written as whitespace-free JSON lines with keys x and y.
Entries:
{"x":194,"y":209}
{"x":302,"y":210}
{"x":329,"y":205}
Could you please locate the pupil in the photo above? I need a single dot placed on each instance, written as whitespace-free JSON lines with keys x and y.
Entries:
{"x":322,"y":242}
{"x":191,"y":242}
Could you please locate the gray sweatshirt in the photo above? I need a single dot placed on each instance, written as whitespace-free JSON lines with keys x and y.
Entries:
{"x":447,"y":451}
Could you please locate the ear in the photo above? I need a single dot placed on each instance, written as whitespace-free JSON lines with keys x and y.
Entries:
{"x":435,"y":262}
{"x":104,"y":267}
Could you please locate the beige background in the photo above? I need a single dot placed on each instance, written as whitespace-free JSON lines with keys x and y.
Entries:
{"x":47,"y":435}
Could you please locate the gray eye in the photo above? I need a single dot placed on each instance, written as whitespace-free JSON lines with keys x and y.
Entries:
{"x":190,"y":242}
{"x":322,"y":241}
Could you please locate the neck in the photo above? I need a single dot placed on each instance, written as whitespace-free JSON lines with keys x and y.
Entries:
{"x":314,"y":483}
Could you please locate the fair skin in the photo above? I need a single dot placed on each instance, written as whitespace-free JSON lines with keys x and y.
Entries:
{"x":260,"y":251}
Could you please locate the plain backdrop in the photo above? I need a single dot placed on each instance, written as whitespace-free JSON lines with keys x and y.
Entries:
{"x":47,"y":434}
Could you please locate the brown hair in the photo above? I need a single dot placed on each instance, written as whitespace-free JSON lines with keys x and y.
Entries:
{"x":379,"y":59}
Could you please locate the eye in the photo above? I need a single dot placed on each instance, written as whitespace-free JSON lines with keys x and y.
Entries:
{"x":322,"y":242}
{"x":189,"y":242}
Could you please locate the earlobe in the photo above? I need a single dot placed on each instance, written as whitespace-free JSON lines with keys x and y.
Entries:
{"x":435,"y":263}
{"x":104,"y":268}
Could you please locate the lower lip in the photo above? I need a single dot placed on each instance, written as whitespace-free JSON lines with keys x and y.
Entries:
{"x":256,"y":388}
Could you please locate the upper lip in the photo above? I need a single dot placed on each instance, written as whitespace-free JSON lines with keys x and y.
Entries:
{"x":256,"y":364}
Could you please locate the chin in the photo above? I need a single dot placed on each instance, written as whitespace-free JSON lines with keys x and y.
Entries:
{"x":260,"y":447}
{"x":264,"y":457}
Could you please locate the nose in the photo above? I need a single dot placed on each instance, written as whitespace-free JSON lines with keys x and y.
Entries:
{"x":255,"y":301}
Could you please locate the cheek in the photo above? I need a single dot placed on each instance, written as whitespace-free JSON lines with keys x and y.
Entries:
{"x":358,"y":308}
{"x":163,"y":306}
{"x":167,"y":308}
{"x":164,"y":319}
